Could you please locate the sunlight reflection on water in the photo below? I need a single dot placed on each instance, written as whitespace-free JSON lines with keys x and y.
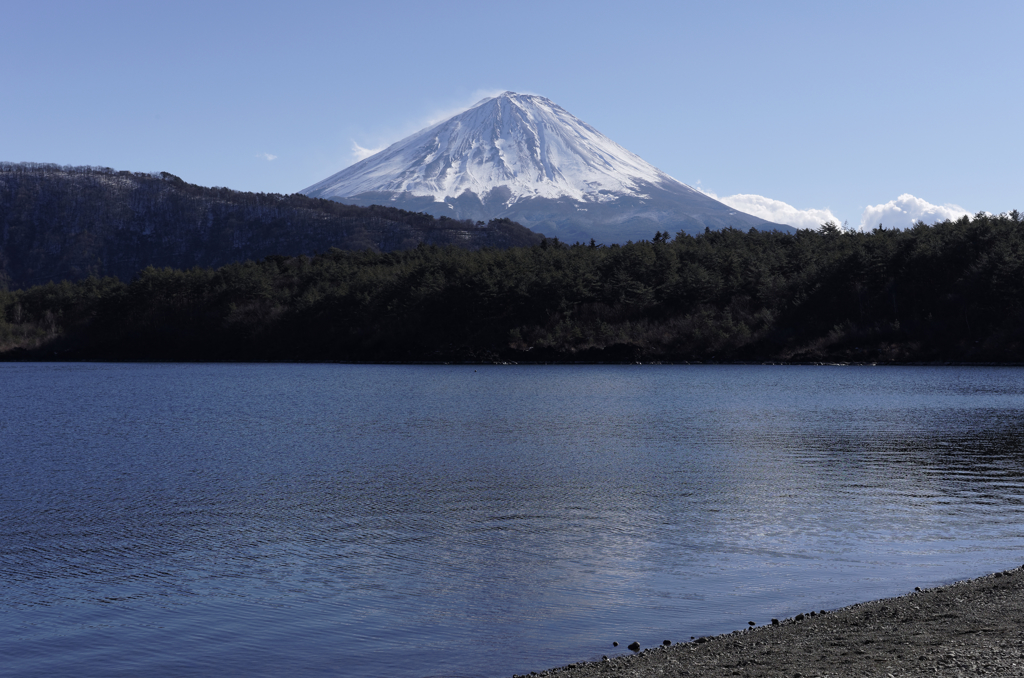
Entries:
{"x":489,"y":520}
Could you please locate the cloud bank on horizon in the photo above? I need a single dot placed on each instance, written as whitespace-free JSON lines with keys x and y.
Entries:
{"x":775,"y":210}
{"x":906,"y":210}
{"x":903,"y":212}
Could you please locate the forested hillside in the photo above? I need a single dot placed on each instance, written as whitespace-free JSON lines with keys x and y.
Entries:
{"x":949,"y":292}
{"x":67,"y":223}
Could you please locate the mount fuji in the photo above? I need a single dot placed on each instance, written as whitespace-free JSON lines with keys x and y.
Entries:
{"x":524,"y":157}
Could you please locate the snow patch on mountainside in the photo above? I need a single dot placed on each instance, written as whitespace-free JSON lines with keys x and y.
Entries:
{"x":525,"y":143}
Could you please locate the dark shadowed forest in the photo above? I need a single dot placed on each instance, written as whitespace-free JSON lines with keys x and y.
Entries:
{"x":953,"y":291}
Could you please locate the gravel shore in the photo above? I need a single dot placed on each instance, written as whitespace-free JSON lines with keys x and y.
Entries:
{"x":968,"y":628}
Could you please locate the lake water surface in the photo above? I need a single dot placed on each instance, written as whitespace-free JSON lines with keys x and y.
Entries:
{"x":411,"y":521}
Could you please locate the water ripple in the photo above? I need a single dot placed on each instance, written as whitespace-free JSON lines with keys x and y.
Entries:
{"x":411,"y":521}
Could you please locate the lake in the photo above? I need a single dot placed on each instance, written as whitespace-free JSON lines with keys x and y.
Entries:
{"x":414,"y":521}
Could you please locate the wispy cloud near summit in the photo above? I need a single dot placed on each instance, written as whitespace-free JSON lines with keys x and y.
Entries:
{"x":360,"y":153}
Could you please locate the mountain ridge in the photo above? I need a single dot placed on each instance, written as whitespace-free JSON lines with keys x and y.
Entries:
{"x":66,"y":223}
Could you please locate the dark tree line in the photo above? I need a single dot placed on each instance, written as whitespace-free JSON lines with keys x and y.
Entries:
{"x":953,"y":291}
{"x":67,"y":223}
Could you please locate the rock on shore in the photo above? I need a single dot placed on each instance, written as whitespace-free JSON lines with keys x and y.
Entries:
{"x":972,"y":628}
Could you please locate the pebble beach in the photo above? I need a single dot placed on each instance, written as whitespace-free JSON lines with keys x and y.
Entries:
{"x":968,"y":628}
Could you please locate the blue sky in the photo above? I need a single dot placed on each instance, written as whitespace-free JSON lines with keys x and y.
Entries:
{"x":844,"y":107}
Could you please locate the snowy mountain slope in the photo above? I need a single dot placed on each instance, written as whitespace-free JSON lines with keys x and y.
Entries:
{"x":526,"y":158}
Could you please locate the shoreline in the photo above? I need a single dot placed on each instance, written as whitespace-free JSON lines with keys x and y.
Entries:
{"x":7,"y":358}
{"x":974,"y":627}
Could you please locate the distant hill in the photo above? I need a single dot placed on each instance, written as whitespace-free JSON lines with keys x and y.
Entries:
{"x":67,"y":223}
{"x":525,"y":158}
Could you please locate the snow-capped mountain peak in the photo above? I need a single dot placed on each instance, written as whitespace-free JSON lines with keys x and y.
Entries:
{"x":524,"y":142}
{"x":523,"y":157}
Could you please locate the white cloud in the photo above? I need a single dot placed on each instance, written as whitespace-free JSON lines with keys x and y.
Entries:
{"x":902,"y":212}
{"x":360,"y":153}
{"x":268,"y":156}
{"x":905,"y":210}
{"x":775,"y":210}
{"x":413,"y":126}
{"x":473,"y":99}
